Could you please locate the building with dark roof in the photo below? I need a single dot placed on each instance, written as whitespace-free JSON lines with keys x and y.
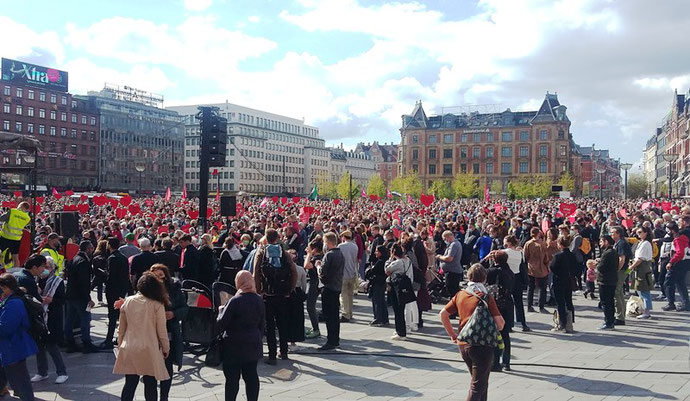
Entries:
{"x":494,"y":146}
{"x":384,"y":156}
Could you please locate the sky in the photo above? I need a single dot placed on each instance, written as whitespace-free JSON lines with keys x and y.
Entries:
{"x":354,"y":67}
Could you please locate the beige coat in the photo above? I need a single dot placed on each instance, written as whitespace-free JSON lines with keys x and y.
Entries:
{"x":142,"y":338}
{"x":536,"y":256}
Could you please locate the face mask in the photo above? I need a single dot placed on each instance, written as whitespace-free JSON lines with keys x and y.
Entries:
{"x":245,"y":243}
{"x":45,"y":273}
{"x":447,"y":242}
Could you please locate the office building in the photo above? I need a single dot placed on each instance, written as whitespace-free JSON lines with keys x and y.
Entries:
{"x":385,"y":157}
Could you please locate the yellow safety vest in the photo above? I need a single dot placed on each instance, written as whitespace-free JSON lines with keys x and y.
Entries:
{"x":59,"y":259}
{"x":12,"y":229}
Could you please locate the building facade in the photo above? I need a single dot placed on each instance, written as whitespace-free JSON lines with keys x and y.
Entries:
{"x":675,"y":140}
{"x":649,"y":165}
{"x":267,"y":153}
{"x":385,"y":158}
{"x":359,"y":164}
{"x":141,"y":143}
{"x":495,"y":147}
{"x":66,"y":126}
{"x":598,"y":175}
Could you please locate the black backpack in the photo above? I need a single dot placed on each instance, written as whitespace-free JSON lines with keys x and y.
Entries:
{"x":501,"y":295}
{"x":37,"y":325}
{"x":275,"y":280}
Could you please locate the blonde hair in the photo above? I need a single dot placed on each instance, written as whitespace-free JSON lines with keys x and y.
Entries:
{"x":476,"y":273}
{"x":591,"y":263}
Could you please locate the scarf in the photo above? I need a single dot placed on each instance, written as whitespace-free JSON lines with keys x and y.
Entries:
{"x":244,"y":282}
{"x":52,"y":284}
{"x":475,"y":288}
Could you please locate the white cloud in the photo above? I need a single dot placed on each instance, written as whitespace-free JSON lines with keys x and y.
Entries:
{"x":254,"y":19}
{"x":21,"y":42}
{"x":197,"y":5}
{"x":677,"y":82}
{"x":86,"y":76}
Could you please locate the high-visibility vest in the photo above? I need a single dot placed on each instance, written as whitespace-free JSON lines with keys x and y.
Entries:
{"x":12,"y":229}
{"x":59,"y":259}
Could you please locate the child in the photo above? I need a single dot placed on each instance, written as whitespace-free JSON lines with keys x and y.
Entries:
{"x":591,"y":277}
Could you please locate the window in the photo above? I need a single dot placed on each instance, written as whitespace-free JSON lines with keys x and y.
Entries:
{"x":475,"y":168}
{"x":415,"y":154}
{"x":31,"y":94}
{"x":561,"y":134}
{"x":542,"y":167}
{"x":73,"y":133}
{"x":53,"y":114}
{"x":463,"y":152}
{"x":447,"y":169}
{"x":415,"y":168}
{"x":524,"y":151}
{"x":63,"y":99}
{"x":523,"y":168}
{"x":63,"y":132}
{"x":18,"y":126}
{"x":74,"y":118}
{"x":74,"y":104}
{"x":505,"y":168}
{"x":489,"y":151}
{"x":477,"y":137}
{"x":63,"y":116}
{"x":463,"y":168}
{"x":463,"y":138}
{"x":448,"y":138}
{"x":563,"y":150}
{"x":30,"y":128}
{"x":18,"y":110}
{"x":543,"y":150}
{"x":6,"y":108}
{"x":53,"y":98}
{"x":490,"y":137}
{"x":489,"y":168}
{"x":7,"y":91}
{"x":20,"y":92}
{"x":432,"y":169}
{"x":432,"y":153}
{"x":30,"y":111}
{"x":476,"y":152}
{"x":53,"y":131}
{"x":42,"y":113}
{"x":506,"y":136}
{"x":83,"y":119}
{"x":415,"y":139}
{"x":432,"y":138}
{"x":506,"y":151}
{"x":42,"y":96}
{"x":447,"y":153}
{"x":524,"y":136}
{"x":564,"y":167}
{"x":42,"y":129}
{"x":93,"y":121}
{"x":6,"y":125}
{"x":543,"y":135}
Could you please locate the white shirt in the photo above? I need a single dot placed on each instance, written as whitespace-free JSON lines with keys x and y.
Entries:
{"x":514,"y":259}
{"x":643,"y":251}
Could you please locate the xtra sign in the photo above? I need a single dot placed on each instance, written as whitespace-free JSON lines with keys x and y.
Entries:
{"x":19,"y":72}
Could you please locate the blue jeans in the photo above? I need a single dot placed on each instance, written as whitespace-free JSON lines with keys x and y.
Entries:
{"x":646,"y":298}
{"x":42,"y":359}
{"x":17,"y":375}
{"x":76,"y":309}
{"x":675,"y":280}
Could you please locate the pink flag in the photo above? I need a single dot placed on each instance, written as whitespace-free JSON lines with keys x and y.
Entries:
{"x":184,"y":192}
{"x":363,"y":194}
{"x":487,"y":195}
{"x":409,"y":198}
{"x":264,"y":202}
{"x":167,"y":195}
{"x":389,"y":195}
{"x":217,"y":194}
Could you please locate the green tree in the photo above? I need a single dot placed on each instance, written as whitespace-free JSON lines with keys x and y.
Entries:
{"x":407,"y":184}
{"x":637,"y":186}
{"x":542,"y":187}
{"x":442,"y":189}
{"x":343,"y":187}
{"x":496,"y":187}
{"x":567,"y":181}
{"x":376,"y":186}
{"x":521,"y":188}
{"x":326,"y":187}
{"x":465,"y":185}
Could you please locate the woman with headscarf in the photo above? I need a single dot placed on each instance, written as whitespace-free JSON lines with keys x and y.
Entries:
{"x":242,"y":321}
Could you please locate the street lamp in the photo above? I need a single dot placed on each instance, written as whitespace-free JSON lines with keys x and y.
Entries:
{"x":670,"y":158}
{"x":601,"y":172}
{"x":626,"y":167}
{"x":140,"y":167}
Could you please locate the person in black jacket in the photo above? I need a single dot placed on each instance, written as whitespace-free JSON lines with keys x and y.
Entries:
{"x":231,"y":261}
{"x":376,"y":274}
{"x":116,"y":286}
{"x":207,"y":262}
{"x":376,"y":240}
{"x":331,"y":274}
{"x":564,"y":266}
{"x":26,"y":278}
{"x":99,"y":269}
{"x":78,"y":298}
{"x":607,"y":279}
{"x":500,"y":275}
{"x":167,"y":257}
{"x":143,"y":261}
{"x":189,"y":260}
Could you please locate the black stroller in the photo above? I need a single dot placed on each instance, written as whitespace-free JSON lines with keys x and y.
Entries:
{"x":437,"y":287}
{"x":198,"y":326}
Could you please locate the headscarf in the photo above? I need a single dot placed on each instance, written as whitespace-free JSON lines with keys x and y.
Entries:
{"x":244,"y":282}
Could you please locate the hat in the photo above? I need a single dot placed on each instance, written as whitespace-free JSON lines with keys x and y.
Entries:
{"x":53,"y":236}
{"x":130,"y":237}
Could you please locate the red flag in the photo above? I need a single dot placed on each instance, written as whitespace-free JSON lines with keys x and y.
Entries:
{"x":184,"y":192}
{"x":363,"y":194}
{"x":389,"y":195}
{"x":217,"y":194}
{"x":56,"y":194}
{"x":215,"y":172}
{"x":167,"y":195}
{"x":487,"y":195}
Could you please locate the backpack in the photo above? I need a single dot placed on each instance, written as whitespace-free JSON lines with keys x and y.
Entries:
{"x":501,"y":296}
{"x":38,"y":329}
{"x":586,"y":246}
{"x":275,"y":272}
{"x":481,"y":328}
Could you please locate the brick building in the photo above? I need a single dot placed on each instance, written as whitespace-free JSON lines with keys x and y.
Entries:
{"x":35,"y":102}
{"x":588,"y":182}
{"x":384,"y":156}
{"x":494,"y":146}
{"x":674,"y":139}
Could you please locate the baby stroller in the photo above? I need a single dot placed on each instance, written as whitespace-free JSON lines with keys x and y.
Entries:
{"x":222,"y":292}
{"x":436,"y":285}
{"x":198,"y":326}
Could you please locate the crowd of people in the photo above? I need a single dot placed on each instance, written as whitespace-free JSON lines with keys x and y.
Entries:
{"x":285,"y":255}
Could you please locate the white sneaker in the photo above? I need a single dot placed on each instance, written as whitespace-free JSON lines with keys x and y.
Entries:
{"x":645,"y":316}
{"x":396,"y":337}
{"x":61,"y":379}
{"x":38,"y":378}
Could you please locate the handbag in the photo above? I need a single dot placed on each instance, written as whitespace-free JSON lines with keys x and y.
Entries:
{"x":481,"y":328}
{"x":214,"y":355}
{"x":402,"y":285}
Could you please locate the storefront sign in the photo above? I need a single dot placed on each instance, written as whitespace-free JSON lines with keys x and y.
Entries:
{"x":22,"y":73}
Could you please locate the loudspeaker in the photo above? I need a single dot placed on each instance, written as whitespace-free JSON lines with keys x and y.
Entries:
{"x":66,"y":224}
{"x":228,"y":205}
{"x":556,"y":188}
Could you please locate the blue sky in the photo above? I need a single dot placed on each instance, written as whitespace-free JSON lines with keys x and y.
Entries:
{"x":353,"y":67}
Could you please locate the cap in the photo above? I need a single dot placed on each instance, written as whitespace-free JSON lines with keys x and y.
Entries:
{"x":54,"y":236}
{"x":130,"y":237}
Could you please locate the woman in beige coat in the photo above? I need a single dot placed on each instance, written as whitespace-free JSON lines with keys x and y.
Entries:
{"x":143,"y":339}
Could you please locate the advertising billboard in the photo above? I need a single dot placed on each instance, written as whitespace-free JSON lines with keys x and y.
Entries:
{"x":22,"y":73}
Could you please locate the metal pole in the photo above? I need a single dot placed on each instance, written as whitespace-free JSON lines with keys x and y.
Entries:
{"x":34,"y":178}
{"x":284,"y":187}
{"x":601,"y":187}
{"x":206,"y":114}
{"x":625,"y":187}
{"x":670,"y":174}
{"x":140,"y":173}
{"x":218,"y":187}
{"x":350,"y":192}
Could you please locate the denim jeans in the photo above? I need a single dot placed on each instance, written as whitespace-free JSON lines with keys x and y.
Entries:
{"x":76,"y":310}
{"x":517,"y":300}
{"x":276,"y":317}
{"x":55,"y":354}
{"x":330,"y":303}
{"x":534,"y":282}
{"x":17,"y":375}
{"x":377,"y":293}
{"x":675,"y":280}
{"x":312,"y":296}
{"x":647,"y":298}
{"x":232,"y":373}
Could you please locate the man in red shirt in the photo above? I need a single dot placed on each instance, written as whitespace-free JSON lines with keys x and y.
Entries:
{"x":677,"y":267}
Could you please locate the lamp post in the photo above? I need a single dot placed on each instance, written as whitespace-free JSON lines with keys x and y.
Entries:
{"x":625,"y":167}
{"x":140,"y":167}
{"x":670,"y":158}
{"x":31,"y":159}
{"x":601,"y":172}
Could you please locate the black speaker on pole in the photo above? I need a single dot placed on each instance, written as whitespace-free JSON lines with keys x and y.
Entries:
{"x":66,"y":224}
{"x":228,"y":205}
